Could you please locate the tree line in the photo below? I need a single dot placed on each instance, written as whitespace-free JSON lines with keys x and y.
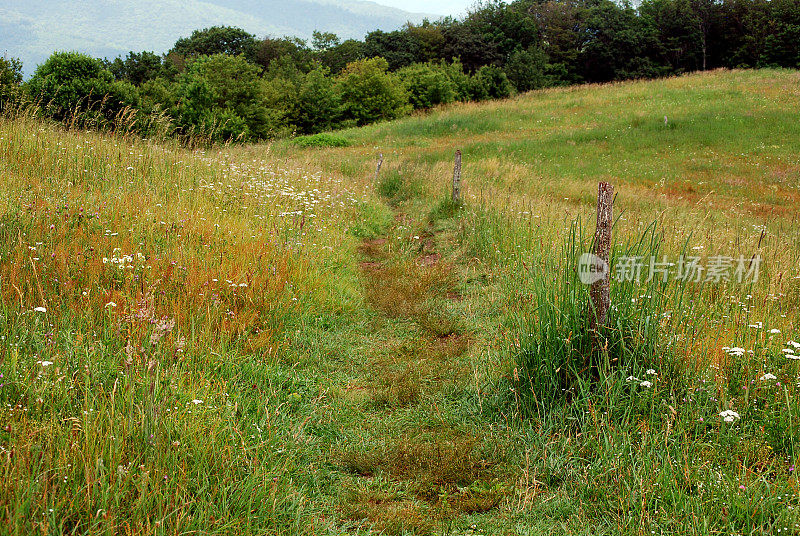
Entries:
{"x":224,"y":84}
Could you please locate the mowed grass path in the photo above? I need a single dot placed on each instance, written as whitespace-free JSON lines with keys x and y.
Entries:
{"x":262,"y":340}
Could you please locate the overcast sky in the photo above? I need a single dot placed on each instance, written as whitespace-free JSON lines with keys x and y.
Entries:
{"x":435,"y":7}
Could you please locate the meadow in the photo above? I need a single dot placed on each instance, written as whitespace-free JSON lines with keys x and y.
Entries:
{"x":269,"y":339}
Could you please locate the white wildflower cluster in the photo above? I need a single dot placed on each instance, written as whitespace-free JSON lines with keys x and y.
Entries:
{"x":123,"y":261}
{"x":735,"y":351}
{"x":642,"y":383}
{"x":792,"y":350}
{"x":729,"y":415}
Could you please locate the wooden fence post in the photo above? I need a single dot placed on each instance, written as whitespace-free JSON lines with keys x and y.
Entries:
{"x":457,"y":178}
{"x":380,"y":163}
{"x":601,"y":289}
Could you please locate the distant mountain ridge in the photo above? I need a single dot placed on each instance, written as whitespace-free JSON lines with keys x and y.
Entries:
{"x":32,"y":29}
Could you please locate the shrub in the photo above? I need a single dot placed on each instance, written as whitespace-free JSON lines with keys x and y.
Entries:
{"x":224,"y":94}
{"x":318,"y":105}
{"x":527,"y":69}
{"x":10,"y":79}
{"x":217,"y":40}
{"x":77,"y":86}
{"x":461,"y":81}
{"x":370,"y":93}
{"x":428,"y":84}
{"x":137,"y":68}
{"x":490,"y":82}
{"x":321,"y":140}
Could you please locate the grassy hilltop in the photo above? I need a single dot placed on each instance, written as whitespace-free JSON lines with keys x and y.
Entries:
{"x":266,"y":339}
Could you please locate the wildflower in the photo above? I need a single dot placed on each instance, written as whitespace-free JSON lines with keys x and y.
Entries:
{"x":768,"y":376}
{"x":45,"y":363}
{"x":742,"y":486}
{"x":111,"y":304}
{"x":646,"y":384}
{"x":729,"y":415}
{"x":196,"y":401}
{"x":40,"y":309}
{"x":775,"y":331}
{"x":632,"y":379}
{"x":650,"y":372}
{"x":735,"y":351}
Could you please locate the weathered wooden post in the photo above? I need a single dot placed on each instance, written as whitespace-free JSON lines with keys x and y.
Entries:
{"x":457,"y":178}
{"x":601,"y":289}
{"x":380,"y":163}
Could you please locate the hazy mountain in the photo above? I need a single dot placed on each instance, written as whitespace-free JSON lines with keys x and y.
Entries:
{"x":33,"y":29}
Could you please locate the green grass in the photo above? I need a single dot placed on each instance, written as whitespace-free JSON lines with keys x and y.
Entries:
{"x":321,"y":140}
{"x":296,"y":346}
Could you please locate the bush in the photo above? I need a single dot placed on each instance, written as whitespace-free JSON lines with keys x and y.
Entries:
{"x":10,"y":79}
{"x":318,"y":105}
{"x":527,"y":69}
{"x":217,"y":40}
{"x":370,"y":93}
{"x":222,"y":95}
{"x":77,"y":86}
{"x":321,"y":140}
{"x":461,"y":81}
{"x":428,"y":84}
{"x":490,"y":82}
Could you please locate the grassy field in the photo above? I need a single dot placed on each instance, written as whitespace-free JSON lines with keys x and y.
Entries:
{"x":269,"y":340}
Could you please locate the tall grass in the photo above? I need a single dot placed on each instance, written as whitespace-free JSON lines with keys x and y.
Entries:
{"x":559,"y":356}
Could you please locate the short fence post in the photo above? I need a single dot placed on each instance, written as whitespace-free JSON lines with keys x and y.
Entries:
{"x":457,"y":178}
{"x":601,"y":289}
{"x":378,"y":170}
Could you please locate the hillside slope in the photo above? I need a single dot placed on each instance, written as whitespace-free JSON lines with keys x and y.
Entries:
{"x":269,"y":339}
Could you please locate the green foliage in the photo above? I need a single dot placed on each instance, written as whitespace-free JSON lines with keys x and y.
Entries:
{"x":490,"y":82}
{"x":321,"y":140}
{"x":398,"y":48}
{"x":324,"y":40}
{"x":10,"y":72}
{"x":137,"y":68}
{"x":217,"y":40}
{"x":289,"y":50}
{"x":222,"y":95}
{"x":528,"y":69}
{"x":428,"y":84}
{"x":370,"y":93}
{"x":10,"y":79}
{"x":318,"y":103}
{"x":73,"y":85}
{"x":497,"y":49}
{"x":338,"y":57}
{"x":304,"y":102}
